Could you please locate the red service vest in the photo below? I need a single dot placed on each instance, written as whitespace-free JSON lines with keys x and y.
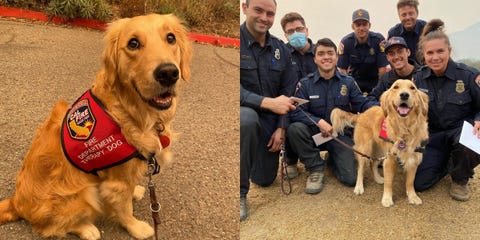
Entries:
{"x":91,"y":140}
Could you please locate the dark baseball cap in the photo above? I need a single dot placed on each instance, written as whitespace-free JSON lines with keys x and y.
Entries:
{"x":395,"y":41}
{"x":360,"y":14}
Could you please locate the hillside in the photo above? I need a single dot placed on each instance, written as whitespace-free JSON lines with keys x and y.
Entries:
{"x":465,"y":43}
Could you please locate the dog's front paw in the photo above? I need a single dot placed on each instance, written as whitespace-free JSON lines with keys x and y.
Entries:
{"x":88,"y":232}
{"x":387,"y":201}
{"x":358,"y":190}
{"x":138,"y":192}
{"x":140,"y":230}
{"x":414,"y":199}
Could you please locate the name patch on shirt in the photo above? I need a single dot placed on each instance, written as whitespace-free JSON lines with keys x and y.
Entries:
{"x":314,"y":97}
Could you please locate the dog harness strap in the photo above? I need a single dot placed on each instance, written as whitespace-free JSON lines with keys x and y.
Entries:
{"x":91,"y":139}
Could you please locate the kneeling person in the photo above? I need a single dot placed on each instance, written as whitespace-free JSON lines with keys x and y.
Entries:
{"x":325,"y":89}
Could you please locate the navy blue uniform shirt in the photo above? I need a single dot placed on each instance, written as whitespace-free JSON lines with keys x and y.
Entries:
{"x":340,"y":91}
{"x":388,"y":78}
{"x":453,"y":98}
{"x":264,"y":71}
{"x":364,"y":59}
{"x":411,"y":37}
{"x":303,"y":63}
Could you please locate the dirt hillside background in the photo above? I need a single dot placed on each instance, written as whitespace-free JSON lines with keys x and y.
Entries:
{"x":199,"y":192}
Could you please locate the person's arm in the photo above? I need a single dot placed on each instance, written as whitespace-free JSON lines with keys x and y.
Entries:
{"x":359,"y":102}
{"x":250,"y":99}
{"x":302,"y":113}
{"x":280,"y":105}
{"x":381,"y":71}
{"x":379,"y":89}
{"x":343,"y":63}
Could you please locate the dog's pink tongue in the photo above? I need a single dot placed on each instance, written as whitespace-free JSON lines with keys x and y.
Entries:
{"x":403,"y":110}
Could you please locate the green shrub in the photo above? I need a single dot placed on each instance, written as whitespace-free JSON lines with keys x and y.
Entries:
{"x":93,"y":9}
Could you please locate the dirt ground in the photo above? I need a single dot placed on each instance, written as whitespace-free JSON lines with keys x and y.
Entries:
{"x":199,"y":192}
{"x":336,"y":213}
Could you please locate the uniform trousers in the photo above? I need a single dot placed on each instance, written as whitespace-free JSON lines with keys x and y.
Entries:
{"x":256,"y":162}
{"x":445,"y":155}
{"x":341,"y":159}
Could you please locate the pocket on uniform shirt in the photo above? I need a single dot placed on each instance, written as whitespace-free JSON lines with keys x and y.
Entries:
{"x":458,"y":104}
{"x":460,"y":98}
{"x":248,"y":62}
{"x":342,"y":101}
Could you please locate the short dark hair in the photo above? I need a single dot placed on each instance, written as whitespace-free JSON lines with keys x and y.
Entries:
{"x":248,"y":1}
{"x":291,"y":17}
{"x":411,"y":3}
{"x":326,"y":42}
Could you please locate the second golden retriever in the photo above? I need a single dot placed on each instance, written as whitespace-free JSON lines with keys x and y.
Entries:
{"x":403,"y":118}
{"x":138,"y":91}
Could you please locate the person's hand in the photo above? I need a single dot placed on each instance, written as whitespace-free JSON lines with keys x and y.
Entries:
{"x":325,"y":128}
{"x":280,"y":105}
{"x":476,"y":128}
{"x":276,"y":141}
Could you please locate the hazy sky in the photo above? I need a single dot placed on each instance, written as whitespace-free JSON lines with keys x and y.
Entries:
{"x":333,"y":18}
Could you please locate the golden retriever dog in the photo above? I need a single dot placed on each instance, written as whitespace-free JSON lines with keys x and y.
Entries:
{"x":137,"y":87}
{"x":403,"y":111}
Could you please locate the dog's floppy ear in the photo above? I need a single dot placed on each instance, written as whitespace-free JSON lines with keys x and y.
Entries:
{"x":384,"y":102}
{"x":111,"y":38}
{"x":185,"y":45}
{"x":423,"y":102}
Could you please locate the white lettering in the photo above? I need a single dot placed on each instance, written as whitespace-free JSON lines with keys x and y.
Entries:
{"x":114,"y":145}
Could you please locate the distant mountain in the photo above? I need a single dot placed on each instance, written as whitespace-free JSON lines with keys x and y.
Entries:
{"x":465,"y":43}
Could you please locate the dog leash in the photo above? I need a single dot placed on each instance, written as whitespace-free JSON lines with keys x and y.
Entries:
{"x":153,"y":168}
{"x":342,"y":142}
{"x":284,"y":171}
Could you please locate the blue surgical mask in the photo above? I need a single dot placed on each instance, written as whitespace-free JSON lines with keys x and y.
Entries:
{"x":298,"y":40}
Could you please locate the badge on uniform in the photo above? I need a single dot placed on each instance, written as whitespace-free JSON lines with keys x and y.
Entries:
{"x":277,"y":54}
{"x":372,"y":51}
{"x":343,"y":90}
{"x":460,"y":86}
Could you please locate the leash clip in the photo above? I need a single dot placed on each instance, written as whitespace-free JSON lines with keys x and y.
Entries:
{"x":153,"y":166}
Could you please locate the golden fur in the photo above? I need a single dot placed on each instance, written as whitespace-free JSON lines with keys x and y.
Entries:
{"x":412,"y":129}
{"x":57,"y":198}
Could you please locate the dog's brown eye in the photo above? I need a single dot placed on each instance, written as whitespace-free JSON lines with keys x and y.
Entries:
{"x":395,"y":87}
{"x":133,"y":44}
{"x":171,"y":38}
{"x":412,"y":87}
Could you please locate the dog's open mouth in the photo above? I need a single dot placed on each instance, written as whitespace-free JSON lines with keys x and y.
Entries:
{"x":403,"y":109}
{"x":162,"y":101}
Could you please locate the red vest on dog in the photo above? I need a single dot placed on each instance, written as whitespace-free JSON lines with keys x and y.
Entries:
{"x":91,"y":140}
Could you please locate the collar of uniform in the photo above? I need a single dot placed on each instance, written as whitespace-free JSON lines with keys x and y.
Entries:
{"x":355,"y":43}
{"x":449,"y":72}
{"x":292,"y":49}
{"x":417,"y":29}
{"x":317,"y":77}
{"x":247,"y":37}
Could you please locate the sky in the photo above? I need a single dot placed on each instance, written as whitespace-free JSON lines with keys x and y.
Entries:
{"x":333,"y":18}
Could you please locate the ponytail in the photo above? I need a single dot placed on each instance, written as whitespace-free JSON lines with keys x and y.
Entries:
{"x":434,"y":29}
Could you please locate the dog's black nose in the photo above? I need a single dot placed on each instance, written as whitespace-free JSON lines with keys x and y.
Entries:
{"x":404,"y":96}
{"x":166,"y":74}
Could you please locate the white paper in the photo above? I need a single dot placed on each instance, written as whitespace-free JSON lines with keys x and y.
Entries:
{"x":319,"y":139}
{"x":299,"y":101}
{"x":468,"y":139}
